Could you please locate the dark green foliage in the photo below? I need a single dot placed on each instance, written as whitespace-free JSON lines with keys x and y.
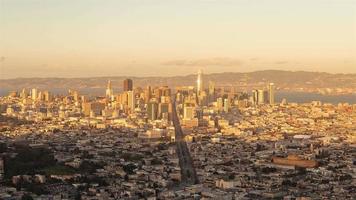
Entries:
{"x":89,"y":167}
{"x":129,"y":168}
{"x":26,"y":197}
{"x":28,"y":161}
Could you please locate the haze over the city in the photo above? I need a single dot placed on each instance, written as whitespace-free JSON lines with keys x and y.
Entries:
{"x":159,"y":37}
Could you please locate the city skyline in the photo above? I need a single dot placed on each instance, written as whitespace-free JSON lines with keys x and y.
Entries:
{"x":150,"y":38}
{"x":177,"y":99}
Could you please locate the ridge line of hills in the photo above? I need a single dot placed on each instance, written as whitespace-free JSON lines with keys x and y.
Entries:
{"x":284,"y":80}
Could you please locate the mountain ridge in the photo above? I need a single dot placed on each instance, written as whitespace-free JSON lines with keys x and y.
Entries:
{"x":284,"y":80}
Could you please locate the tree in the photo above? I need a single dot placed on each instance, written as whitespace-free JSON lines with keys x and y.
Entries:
{"x":26,"y":197}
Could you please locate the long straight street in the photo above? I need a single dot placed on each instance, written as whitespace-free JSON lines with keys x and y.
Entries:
{"x":189,"y":175}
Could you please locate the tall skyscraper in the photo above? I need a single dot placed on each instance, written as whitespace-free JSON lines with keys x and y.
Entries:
{"x":271,"y":93}
{"x":128,"y":85}
{"x":152,"y":110}
{"x":200,"y":82}
{"x":220,"y":103}
{"x":23,"y":94}
{"x":109,"y":91}
{"x":34,"y":93}
{"x":148,"y":94}
{"x":226,"y":105}
{"x":211,"y":88}
{"x":47,"y":96}
{"x":261,"y":97}
{"x":131,"y":103}
{"x":255,"y":96}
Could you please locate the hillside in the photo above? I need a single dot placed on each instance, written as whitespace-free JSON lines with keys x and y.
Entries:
{"x":285,"y":80}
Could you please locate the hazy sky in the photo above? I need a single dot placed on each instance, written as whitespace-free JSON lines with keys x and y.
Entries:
{"x":75,"y":38}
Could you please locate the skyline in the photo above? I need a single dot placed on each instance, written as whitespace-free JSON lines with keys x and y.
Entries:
{"x":167,"y":38}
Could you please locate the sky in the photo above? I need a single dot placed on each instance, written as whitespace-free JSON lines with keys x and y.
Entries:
{"x":81,"y":38}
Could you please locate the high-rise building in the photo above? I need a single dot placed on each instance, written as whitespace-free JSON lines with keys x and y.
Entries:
{"x":34,"y":94}
{"x":128,"y":85}
{"x":211,"y":88}
{"x":23,"y":94}
{"x":220,"y":103}
{"x":152,"y":110}
{"x":188,"y":112}
{"x":261,"y":97}
{"x":109,"y":91}
{"x":47,"y":96}
{"x":148,"y":94}
{"x":76,"y":96}
{"x":131,"y":100}
{"x":271,"y":93}
{"x":93,"y":107}
{"x":200,"y":82}
{"x":211,"y":95}
{"x":255,"y":97}
{"x":226,"y":105}
{"x":162,"y":109}
{"x":158,"y":93}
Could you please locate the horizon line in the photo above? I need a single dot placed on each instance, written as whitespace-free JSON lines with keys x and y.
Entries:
{"x":190,"y":74}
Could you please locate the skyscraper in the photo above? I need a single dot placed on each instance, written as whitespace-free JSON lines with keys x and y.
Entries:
{"x":271,"y":93}
{"x":261,"y":96}
{"x":220,"y":103}
{"x":109,"y":91}
{"x":148,"y":94}
{"x":34,"y":93}
{"x":152,"y":110}
{"x":131,"y":103}
{"x":211,"y":88}
{"x":23,"y":94}
{"x":200,"y":82}
{"x":226,"y":105}
{"x":128,"y":85}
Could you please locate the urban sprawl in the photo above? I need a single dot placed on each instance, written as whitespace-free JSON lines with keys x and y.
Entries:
{"x":189,"y":142}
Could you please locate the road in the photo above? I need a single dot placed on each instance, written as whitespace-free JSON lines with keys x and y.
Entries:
{"x":189,"y":176}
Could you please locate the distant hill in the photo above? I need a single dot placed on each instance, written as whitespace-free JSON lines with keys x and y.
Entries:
{"x":284,"y":80}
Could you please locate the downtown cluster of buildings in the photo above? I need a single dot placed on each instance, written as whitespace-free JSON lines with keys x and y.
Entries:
{"x":243,"y":146}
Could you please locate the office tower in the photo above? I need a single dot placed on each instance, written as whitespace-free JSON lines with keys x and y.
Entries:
{"x":166,"y":91}
{"x":271,"y":93}
{"x":211,"y":88}
{"x":47,"y":96}
{"x":93,"y":108}
{"x":76,"y":96}
{"x":265,"y":96}
{"x":255,"y":97}
{"x":152,"y":110}
{"x":203,"y":99}
{"x":34,"y":93}
{"x":163,"y":108}
{"x":109,"y":91}
{"x":226,"y":105}
{"x":124,"y":98}
{"x":131,"y":100}
{"x":188,"y":111}
{"x":211,"y":95}
{"x":148,"y":94}
{"x":40,"y":96}
{"x":220,"y":103}
{"x":200,"y":82}
{"x":158,"y":93}
{"x":261,"y":97}
{"x":23,"y":94}
{"x":128,"y":85}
